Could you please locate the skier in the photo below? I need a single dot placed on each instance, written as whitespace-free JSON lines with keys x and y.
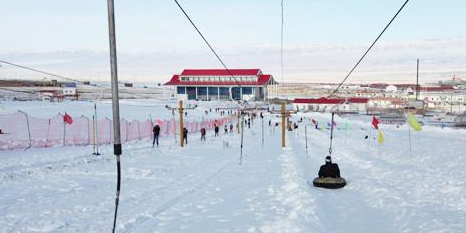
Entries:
{"x":329,"y":169}
{"x":185,"y":114}
{"x":156,"y":131}
{"x":185,"y":135}
{"x":203,"y":134}
{"x":216,"y":130}
{"x":270,"y":122}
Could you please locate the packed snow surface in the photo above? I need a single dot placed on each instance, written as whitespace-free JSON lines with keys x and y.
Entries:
{"x":204,"y":188}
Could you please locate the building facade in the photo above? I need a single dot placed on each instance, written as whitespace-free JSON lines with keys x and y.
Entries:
{"x":354,"y":105}
{"x":220,"y":84}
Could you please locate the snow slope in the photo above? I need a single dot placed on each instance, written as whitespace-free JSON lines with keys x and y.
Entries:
{"x":203,"y":188}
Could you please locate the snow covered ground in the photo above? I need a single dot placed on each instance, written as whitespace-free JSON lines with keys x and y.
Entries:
{"x":203,"y":188}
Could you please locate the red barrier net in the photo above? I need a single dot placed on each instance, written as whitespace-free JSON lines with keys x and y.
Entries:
{"x":20,"y":131}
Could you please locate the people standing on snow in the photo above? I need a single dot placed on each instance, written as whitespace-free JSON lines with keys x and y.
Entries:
{"x":216,"y":130}
{"x":156,"y":131}
{"x":270,"y":122}
{"x":185,"y":135}
{"x":203,"y":132}
{"x":249,"y":123}
{"x":329,"y":169}
{"x":231,"y":128}
{"x":225,"y":128}
{"x":185,"y":113}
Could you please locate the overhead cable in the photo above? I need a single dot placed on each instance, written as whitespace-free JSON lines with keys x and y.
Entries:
{"x":370,"y":47}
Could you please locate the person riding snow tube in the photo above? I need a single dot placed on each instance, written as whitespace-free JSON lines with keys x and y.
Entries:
{"x":329,"y":176}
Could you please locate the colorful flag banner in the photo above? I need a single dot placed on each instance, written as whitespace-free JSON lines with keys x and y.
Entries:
{"x":375,"y":122}
{"x":381,"y":138}
{"x":413,"y":122}
{"x":67,"y":119}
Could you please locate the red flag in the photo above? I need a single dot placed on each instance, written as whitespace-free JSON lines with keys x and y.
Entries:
{"x":67,"y":119}
{"x":375,"y":122}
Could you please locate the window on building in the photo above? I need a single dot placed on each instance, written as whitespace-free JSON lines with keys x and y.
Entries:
{"x":213,"y":91}
{"x":247,"y":90}
{"x":180,"y":90}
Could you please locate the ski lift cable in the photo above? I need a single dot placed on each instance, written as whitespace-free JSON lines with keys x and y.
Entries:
{"x":367,"y":51}
{"x":66,"y":78}
{"x":208,"y":44}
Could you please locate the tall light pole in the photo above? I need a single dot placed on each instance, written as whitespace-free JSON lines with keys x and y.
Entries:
{"x":115,"y":102}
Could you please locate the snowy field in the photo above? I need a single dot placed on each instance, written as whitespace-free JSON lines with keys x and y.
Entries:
{"x":203,"y":188}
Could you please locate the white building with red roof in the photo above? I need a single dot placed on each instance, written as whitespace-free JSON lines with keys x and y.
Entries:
{"x":221,"y":84}
{"x":353,"y":104}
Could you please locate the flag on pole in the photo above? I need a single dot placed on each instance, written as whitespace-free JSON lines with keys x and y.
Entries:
{"x":67,"y":119}
{"x":413,"y":122}
{"x":375,"y":122}
{"x":381,"y":139}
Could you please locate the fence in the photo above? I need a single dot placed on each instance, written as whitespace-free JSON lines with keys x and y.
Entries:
{"x":21,"y":131}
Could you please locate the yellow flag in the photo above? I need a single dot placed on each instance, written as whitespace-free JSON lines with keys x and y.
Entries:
{"x":381,"y":139}
{"x":412,"y":121}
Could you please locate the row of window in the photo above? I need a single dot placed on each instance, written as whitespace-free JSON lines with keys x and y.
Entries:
{"x":219,"y":79}
{"x":212,"y":90}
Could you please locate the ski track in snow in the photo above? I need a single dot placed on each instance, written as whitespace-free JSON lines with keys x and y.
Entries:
{"x":203,"y":188}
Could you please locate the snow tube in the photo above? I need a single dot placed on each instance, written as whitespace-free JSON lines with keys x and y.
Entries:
{"x":329,"y":182}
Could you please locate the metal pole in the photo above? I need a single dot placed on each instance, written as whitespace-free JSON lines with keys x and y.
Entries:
{"x":283,"y":124}
{"x":115,"y":103}
{"x":96,"y":131}
{"x":29,"y":130}
{"x":242,"y":137}
{"x":181,"y":123}
{"x":331,"y":135}
{"x":305,"y":135}
{"x":93,"y":135}
{"x":417,"y":80}
{"x":262,"y":132}
{"x":64,"y":131}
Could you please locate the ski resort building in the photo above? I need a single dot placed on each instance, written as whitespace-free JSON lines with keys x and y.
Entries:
{"x":218,"y":84}
{"x":356,"y":105}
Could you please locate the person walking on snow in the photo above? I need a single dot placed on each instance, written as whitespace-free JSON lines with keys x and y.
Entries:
{"x":203,"y":134}
{"x":185,"y":135}
{"x":156,"y":131}
{"x":231,"y":128}
{"x":225,"y":128}
{"x":216,"y":130}
{"x":329,"y":169}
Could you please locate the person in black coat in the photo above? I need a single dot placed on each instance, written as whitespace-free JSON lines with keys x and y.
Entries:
{"x":329,"y":169}
{"x":185,"y":135}
{"x":216,"y":130}
{"x":156,"y":131}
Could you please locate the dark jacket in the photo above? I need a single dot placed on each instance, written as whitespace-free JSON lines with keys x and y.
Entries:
{"x":185,"y":132}
{"x":203,"y":131}
{"x":329,"y":170}
{"x":156,"y":130}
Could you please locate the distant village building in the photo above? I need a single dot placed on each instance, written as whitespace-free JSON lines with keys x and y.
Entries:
{"x":69,"y":90}
{"x":356,"y":105}
{"x":218,"y":84}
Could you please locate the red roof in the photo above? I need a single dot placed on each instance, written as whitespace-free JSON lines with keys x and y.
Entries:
{"x":219,"y":72}
{"x":262,"y":80}
{"x":324,"y":100}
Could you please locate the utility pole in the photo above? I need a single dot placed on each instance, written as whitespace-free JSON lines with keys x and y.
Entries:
{"x":283,"y":124}
{"x":115,"y":102}
{"x":417,"y":80}
{"x":180,"y":108}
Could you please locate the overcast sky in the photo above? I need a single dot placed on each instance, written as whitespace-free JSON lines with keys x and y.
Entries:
{"x":322,"y":38}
